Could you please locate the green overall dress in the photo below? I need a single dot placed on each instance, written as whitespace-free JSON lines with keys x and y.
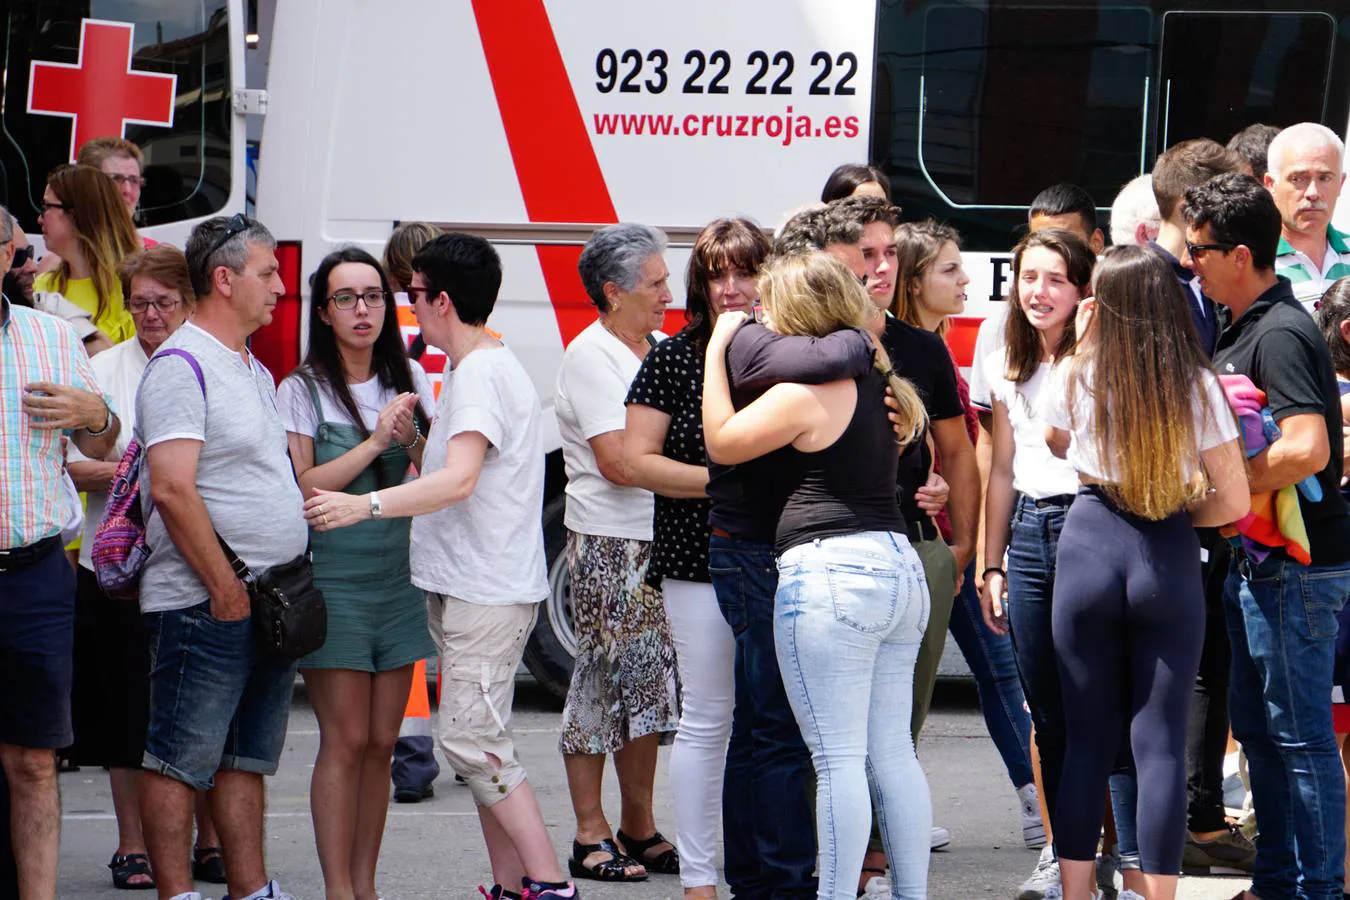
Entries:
{"x":377,"y":619}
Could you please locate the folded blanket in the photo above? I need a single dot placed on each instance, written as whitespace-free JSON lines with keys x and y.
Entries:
{"x":1275,"y":520}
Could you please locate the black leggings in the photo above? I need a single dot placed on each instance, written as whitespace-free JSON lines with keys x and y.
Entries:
{"x":1128,"y":622}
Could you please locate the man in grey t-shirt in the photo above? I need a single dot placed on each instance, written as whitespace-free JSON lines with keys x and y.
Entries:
{"x":215,"y":463}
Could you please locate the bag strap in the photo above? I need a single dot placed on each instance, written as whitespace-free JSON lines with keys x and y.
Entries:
{"x":651,"y":339}
{"x":241,"y":569}
{"x":191,"y":361}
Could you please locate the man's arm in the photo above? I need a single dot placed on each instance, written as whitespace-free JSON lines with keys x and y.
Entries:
{"x":1302,"y":450}
{"x":92,"y":474}
{"x":961,"y":472}
{"x":758,"y":358}
{"x":59,"y":407}
{"x":173,"y":487}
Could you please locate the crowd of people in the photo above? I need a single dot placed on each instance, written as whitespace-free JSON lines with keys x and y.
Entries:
{"x":1129,"y":516}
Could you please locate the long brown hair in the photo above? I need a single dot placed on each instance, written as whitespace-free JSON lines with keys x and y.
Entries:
{"x":1022,"y":340}
{"x":1146,"y":366}
{"x":815,"y":294}
{"x":917,"y":245}
{"x":103,"y":228}
{"x":723,"y":244}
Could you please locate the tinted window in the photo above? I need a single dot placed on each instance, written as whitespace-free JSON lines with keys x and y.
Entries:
{"x":187,"y":172}
{"x":978,"y":106}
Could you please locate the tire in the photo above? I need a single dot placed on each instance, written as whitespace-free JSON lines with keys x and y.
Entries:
{"x":552,"y":648}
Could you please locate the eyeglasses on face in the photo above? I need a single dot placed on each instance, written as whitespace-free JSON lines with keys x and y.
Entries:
{"x":374,"y":299}
{"x":21,"y":257}
{"x":1194,"y":250}
{"x":133,"y":180}
{"x":166,"y":305}
{"x":48,"y":207}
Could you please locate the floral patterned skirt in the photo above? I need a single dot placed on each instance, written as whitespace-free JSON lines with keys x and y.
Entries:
{"x":625,"y":684}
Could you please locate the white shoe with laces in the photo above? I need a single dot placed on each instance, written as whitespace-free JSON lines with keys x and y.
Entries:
{"x":941,"y":838}
{"x":1033,"y":829}
{"x":1044,"y":881}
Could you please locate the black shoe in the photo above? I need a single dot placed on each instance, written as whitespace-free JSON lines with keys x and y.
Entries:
{"x":413,"y":794}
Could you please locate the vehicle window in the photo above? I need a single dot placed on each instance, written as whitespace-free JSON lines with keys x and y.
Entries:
{"x":187,"y":166}
{"x":1275,"y":70}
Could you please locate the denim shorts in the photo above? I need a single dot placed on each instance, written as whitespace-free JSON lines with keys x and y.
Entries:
{"x":215,"y":701}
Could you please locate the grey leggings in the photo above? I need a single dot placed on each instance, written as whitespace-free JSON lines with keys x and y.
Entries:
{"x":1128,"y":622}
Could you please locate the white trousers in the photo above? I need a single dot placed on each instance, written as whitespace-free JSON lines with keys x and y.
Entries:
{"x":706,"y":652}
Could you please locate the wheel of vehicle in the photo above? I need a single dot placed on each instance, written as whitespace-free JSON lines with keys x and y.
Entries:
{"x":552,"y":648}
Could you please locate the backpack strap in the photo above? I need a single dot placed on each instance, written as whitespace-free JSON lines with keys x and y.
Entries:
{"x":191,"y":361}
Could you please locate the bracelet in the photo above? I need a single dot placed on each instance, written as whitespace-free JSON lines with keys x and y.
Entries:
{"x":107,"y":423}
{"x":997,"y":569}
{"x":417,"y":436}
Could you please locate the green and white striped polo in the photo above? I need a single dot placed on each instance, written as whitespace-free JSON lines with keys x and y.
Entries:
{"x":1309,"y":283}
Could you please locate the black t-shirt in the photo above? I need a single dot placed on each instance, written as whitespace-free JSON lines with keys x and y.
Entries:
{"x":671,"y":381}
{"x":747,"y":499}
{"x":1277,"y":345}
{"x":921,"y":358}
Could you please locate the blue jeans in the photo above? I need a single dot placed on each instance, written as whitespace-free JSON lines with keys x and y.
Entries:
{"x":1282,"y":622}
{"x":849,"y":617}
{"x":990,"y":657}
{"x":215,"y":701}
{"x":768,"y":842}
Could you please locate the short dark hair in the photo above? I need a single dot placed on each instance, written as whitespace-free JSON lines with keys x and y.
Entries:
{"x":1251,"y":143}
{"x":1334,"y":309}
{"x":1186,"y":165}
{"x":817,"y":228}
{"x":1238,"y":210}
{"x":722,"y":245}
{"x":1062,"y":200}
{"x":867,"y":210}
{"x":846,"y":179}
{"x":467,"y":269}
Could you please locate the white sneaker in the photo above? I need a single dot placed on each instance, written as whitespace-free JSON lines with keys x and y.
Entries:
{"x":189,"y":895}
{"x":941,"y":838}
{"x":1044,"y":881}
{"x":878,"y":887}
{"x":1033,"y":829}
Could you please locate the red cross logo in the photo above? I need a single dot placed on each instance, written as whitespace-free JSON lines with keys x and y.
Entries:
{"x":100,"y":91}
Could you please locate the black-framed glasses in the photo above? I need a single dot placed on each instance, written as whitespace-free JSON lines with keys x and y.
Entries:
{"x":165,"y":305}
{"x":48,"y":207}
{"x":373,"y":299}
{"x":1194,"y":250}
{"x":21,"y":257}
{"x":236,"y":224}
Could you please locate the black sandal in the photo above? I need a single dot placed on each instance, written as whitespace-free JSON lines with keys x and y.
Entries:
{"x":208,"y":864}
{"x":666,"y":862}
{"x":611,"y":869}
{"x":126,"y":867}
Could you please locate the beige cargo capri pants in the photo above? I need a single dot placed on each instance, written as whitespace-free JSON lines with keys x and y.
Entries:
{"x":481,"y":647}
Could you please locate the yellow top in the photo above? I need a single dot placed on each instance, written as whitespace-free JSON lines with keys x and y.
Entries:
{"x":116,"y":322}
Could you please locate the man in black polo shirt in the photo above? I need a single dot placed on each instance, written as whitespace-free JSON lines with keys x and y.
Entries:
{"x":1212,"y":845}
{"x":1282,"y":616}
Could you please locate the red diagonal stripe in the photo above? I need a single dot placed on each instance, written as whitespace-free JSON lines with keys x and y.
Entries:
{"x":560,"y":177}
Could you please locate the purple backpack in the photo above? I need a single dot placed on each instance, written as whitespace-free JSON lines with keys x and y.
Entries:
{"x":119,"y":552}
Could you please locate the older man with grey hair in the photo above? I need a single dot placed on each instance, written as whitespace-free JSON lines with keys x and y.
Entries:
{"x":1305,"y":177}
{"x":623,"y":695}
{"x":217,"y":465}
{"x":1134,"y":213}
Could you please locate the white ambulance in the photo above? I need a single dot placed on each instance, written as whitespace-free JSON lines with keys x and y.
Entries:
{"x":532,"y":122}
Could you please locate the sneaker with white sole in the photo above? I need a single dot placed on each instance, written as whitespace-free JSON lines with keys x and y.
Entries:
{"x":1033,"y":829}
{"x":878,"y":887}
{"x":941,"y":838}
{"x":1044,"y":881}
{"x":274,"y":892}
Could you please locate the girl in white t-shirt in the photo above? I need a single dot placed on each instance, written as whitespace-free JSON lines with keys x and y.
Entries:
{"x":1140,"y":415}
{"x":356,"y":415}
{"x":1029,"y":490}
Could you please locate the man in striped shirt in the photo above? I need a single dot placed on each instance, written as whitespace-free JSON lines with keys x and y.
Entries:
{"x":1305,"y":177}
{"x":47,"y":389}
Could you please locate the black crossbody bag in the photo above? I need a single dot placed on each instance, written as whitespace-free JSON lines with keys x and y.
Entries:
{"x":290,"y":618}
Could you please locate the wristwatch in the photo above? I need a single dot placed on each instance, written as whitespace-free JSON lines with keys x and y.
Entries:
{"x":375,"y":509}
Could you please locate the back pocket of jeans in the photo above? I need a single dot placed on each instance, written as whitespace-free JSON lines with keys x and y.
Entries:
{"x":864,"y":597}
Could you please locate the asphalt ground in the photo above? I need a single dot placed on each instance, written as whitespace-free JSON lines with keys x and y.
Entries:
{"x":434,"y":849}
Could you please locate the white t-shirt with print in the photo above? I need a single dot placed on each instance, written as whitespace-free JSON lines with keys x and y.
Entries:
{"x":1214,"y":422}
{"x":1037,"y":472}
{"x":297,"y":406}
{"x":488,"y":549}
{"x":593,"y":383}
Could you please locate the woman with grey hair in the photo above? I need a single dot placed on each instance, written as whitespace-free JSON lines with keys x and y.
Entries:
{"x":624,"y":695}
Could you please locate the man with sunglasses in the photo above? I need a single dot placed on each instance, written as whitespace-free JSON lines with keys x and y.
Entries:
{"x":216,"y":465}
{"x":1282,"y":614}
